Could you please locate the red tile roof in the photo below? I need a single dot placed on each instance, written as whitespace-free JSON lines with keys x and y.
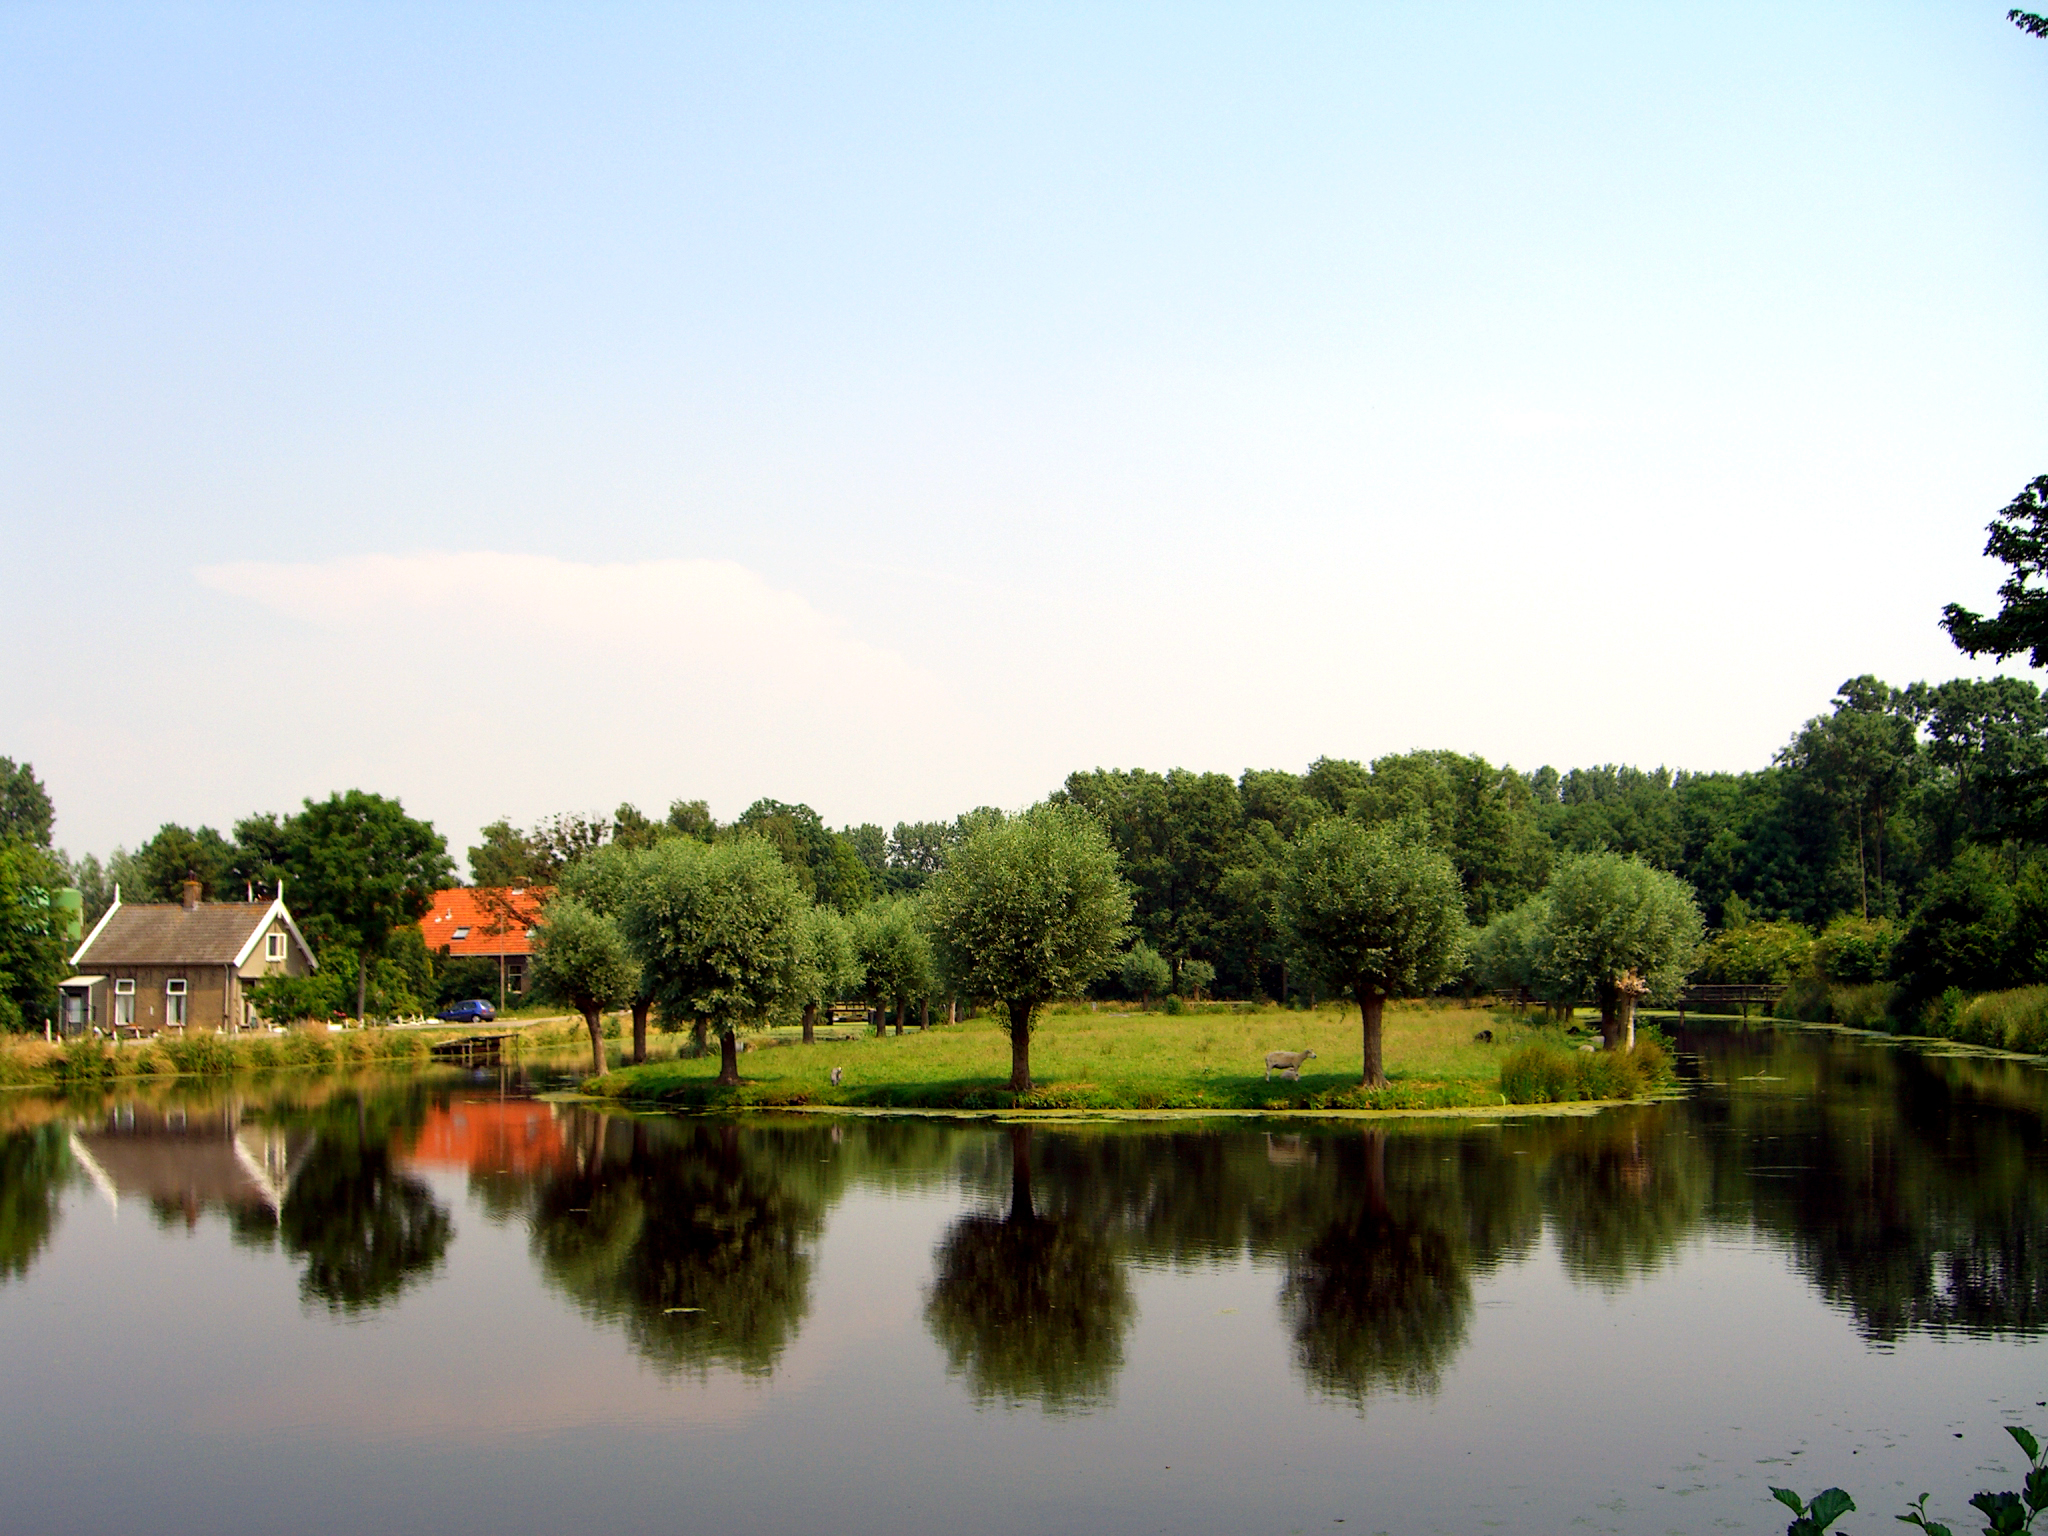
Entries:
{"x":492,"y":921}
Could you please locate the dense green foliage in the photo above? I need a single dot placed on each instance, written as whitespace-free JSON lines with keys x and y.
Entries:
{"x":1376,"y":914}
{"x":1027,"y":910}
{"x":581,"y":959}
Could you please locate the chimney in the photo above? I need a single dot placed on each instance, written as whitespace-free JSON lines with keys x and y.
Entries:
{"x":191,"y":895}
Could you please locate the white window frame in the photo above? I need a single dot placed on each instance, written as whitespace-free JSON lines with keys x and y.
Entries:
{"x":176,"y":991}
{"x":459,"y":935}
{"x":124,"y":1003}
{"x":273,"y":946}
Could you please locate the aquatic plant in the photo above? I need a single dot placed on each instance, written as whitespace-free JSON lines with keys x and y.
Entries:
{"x":2007,"y":1514}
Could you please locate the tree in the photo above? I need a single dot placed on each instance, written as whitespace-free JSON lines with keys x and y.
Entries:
{"x":1027,"y":910}
{"x":1377,"y":916}
{"x":360,"y":867}
{"x":1961,"y":934}
{"x":830,"y":965}
{"x":1619,"y":930}
{"x":32,"y":942}
{"x":505,"y":859}
{"x":717,"y":927}
{"x":26,"y":815}
{"x":1859,"y":761}
{"x":176,"y":855}
{"x":894,"y":953}
{"x":580,"y":958}
{"x":1482,"y":817}
{"x":1144,"y":971}
{"x":605,"y":882}
{"x":2019,"y":539}
{"x":825,"y":863}
{"x":2028,"y":22}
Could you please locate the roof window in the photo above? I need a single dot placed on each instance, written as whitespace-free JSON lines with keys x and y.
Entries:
{"x":462,"y":933}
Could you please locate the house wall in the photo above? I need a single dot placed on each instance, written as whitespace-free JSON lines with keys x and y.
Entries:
{"x":212,"y":998}
{"x":293,"y":964}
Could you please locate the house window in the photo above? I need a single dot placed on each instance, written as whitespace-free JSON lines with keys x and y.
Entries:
{"x":124,"y":1004}
{"x":461,"y":934}
{"x":174,"y":1003}
{"x":273,"y":946}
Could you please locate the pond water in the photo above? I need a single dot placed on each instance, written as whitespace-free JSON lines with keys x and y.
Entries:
{"x":440,"y":1304}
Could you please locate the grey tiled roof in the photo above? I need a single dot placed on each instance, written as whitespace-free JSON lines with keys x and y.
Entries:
{"x":211,"y":934}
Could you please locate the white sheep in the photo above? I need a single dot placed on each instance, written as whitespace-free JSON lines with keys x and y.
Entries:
{"x":835,"y":1075}
{"x":1287,"y":1063}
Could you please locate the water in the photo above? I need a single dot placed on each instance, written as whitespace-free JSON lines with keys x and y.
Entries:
{"x":438,"y":1304}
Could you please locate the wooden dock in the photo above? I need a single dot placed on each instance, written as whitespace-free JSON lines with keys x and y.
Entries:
{"x":470,"y":1050}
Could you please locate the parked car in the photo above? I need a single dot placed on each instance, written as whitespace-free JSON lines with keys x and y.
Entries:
{"x":475,"y":1011}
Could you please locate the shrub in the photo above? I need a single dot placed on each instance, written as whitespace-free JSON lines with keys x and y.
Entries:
{"x":200,"y":1055}
{"x":1543,"y":1072}
{"x":1174,"y":1005}
{"x":1856,"y":949}
{"x":1867,"y":1006}
{"x":2006,"y":1021}
{"x":1808,"y":999}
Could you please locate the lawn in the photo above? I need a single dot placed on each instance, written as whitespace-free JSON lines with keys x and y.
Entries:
{"x":1110,"y":1058}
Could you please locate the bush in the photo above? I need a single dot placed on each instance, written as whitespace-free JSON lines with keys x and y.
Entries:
{"x":2007,"y":1021}
{"x":1546,"y":1072}
{"x":1174,"y":1004}
{"x":1756,"y":953}
{"x":200,"y":1055}
{"x":1856,"y":949}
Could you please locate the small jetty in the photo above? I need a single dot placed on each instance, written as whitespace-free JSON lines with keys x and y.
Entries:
{"x":470,"y":1050}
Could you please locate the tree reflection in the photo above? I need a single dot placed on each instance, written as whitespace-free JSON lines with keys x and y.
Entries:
{"x":365,"y":1227}
{"x":33,"y":1166}
{"x":1624,"y":1189}
{"x":698,"y":1239}
{"x":1379,"y":1295}
{"x":1030,"y":1307}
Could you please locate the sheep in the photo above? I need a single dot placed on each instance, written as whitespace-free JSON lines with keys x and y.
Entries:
{"x":1484,"y":1037}
{"x":1286,"y":1062}
{"x":835,"y":1075}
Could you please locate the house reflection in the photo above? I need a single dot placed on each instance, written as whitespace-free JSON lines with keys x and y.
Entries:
{"x":183,"y":1162}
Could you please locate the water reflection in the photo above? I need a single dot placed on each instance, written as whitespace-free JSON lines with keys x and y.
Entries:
{"x":1909,"y":1191}
{"x":1033,"y":1304}
{"x":697,"y":1238}
{"x":33,"y":1166}
{"x":1378,"y":1294}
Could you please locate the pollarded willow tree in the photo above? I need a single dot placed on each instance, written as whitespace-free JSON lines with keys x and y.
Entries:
{"x":604,"y":881}
{"x":1376,"y":915}
{"x":894,"y":950}
{"x":1617,"y":930}
{"x":1028,"y":910}
{"x":580,"y":958}
{"x":718,"y":928}
{"x":828,"y":966}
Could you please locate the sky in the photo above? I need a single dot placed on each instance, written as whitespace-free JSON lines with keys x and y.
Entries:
{"x":523,"y":409}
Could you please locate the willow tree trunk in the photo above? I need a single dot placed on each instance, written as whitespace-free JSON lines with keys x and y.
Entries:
{"x":697,"y":1034}
{"x":640,"y":1009}
{"x":1628,"y":1021}
{"x":810,"y":1023}
{"x":1610,"y":1015}
{"x":593,"y":1020}
{"x":1371,"y":1005}
{"x":902,"y":1008}
{"x":728,"y":1060}
{"x":1020,"y":1047}
{"x":363,"y":987}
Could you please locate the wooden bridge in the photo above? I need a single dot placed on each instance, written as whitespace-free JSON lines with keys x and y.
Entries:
{"x":1730,"y":997}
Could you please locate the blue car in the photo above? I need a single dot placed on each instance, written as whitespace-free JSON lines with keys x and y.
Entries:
{"x":475,"y":1011}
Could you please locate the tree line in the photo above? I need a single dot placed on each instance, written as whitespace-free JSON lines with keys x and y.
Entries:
{"x":1898,"y":840}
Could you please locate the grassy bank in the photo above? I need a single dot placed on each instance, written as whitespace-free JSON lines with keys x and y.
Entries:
{"x":1104,"y":1059}
{"x":26,"y":1062}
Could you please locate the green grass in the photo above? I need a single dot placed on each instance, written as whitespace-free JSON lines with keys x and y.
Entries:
{"x":1110,"y":1058}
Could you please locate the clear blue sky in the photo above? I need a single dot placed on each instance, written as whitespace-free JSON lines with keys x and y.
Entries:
{"x":518,"y":409}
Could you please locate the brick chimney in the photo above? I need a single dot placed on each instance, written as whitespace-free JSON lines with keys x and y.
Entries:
{"x":191,"y":895}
